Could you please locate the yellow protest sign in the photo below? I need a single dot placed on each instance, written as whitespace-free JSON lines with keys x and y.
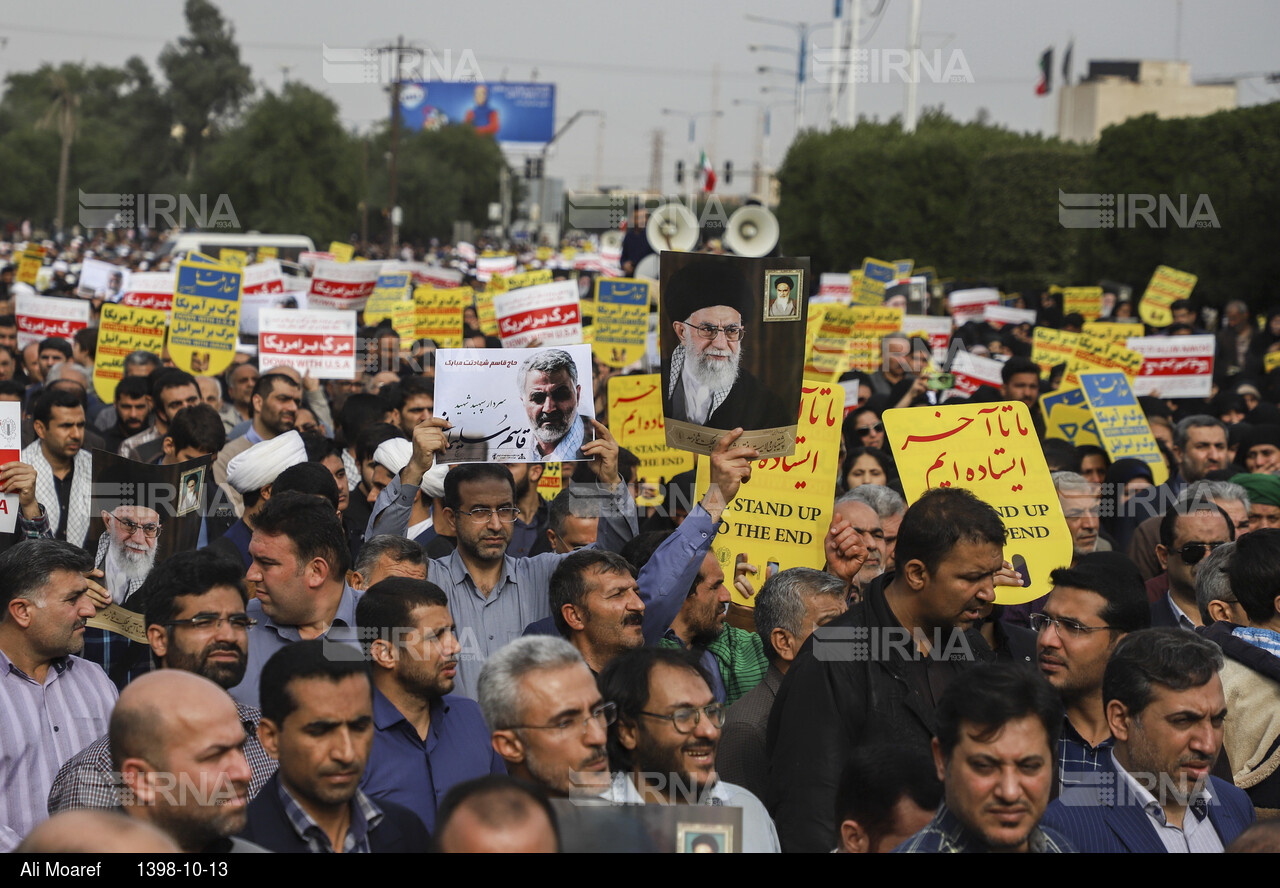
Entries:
{"x":29,"y":265}
{"x":635,"y":418}
{"x":1112,"y":331}
{"x":485,"y":312}
{"x":529,"y":278}
{"x":265,"y":253}
{"x":827,"y":360}
{"x":991,"y":450}
{"x":122,"y":330}
{"x":205,"y":321}
{"x":233,"y":258}
{"x":438,"y":314}
{"x":1096,"y":355}
{"x":1049,"y":348}
{"x":621,"y":323}
{"x":544,"y":253}
{"x":1121,"y":424}
{"x":551,"y":482}
{"x":903,"y":267}
{"x":1270,"y":361}
{"x":342,"y":252}
{"x":1167,"y":286}
{"x":1086,"y":301}
{"x":782,"y":514}
{"x":391,"y":300}
{"x":876,"y":275}
{"x":871,"y":325}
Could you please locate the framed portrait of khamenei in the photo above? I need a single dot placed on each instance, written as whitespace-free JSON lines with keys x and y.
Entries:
{"x":732,"y":334}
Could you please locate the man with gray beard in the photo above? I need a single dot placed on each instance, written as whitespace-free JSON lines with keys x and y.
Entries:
{"x":550,"y":391}
{"x":126,"y":552}
{"x":704,"y":383}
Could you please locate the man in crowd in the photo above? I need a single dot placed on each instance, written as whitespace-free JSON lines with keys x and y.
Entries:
{"x":855,"y":512}
{"x":413,"y":399}
{"x":994,"y":753}
{"x":950,"y":548}
{"x":886,"y":795}
{"x":662,"y":748}
{"x":426,"y":739}
{"x":596,"y":605}
{"x":317,"y":721}
{"x":387,"y":556}
{"x":572,"y":520}
{"x":529,"y":533}
{"x":276,"y":399}
{"x":55,"y":702}
{"x":177,"y":743}
{"x":1231,"y":498}
{"x":790,"y":605}
{"x":194,"y":432}
{"x":1020,"y":381}
{"x":1185,"y":538}
{"x":492,"y":595}
{"x":1251,"y":663}
{"x":196,"y":622}
{"x":241,"y":381}
{"x":889,"y":507}
{"x":496,"y":814}
{"x":64,"y":470}
{"x":171,"y":390}
{"x":132,"y":411}
{"x":1264,"y":499}
{"x":1093,"y":605}
{"x":1166,"y":709}
{"x":300,"y":558}
{"x":546,"y":716}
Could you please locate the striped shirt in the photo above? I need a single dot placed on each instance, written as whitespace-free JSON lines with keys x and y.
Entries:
{"x":365,"y":815}
{"x":88,"y":781}
{"x":1197,"y":834}
{"x":41,"y":727}
{"x":1259,"y":637}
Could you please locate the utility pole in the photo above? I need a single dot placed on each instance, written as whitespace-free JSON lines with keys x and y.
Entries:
{"x":394,"y":246}
{"x":851,"y":79}
{"x":837,"y":37}
{"x":655,"y":161}
{"x":913,"y":78}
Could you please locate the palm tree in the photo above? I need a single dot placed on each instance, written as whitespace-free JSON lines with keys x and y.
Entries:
{"x":62,"y":114}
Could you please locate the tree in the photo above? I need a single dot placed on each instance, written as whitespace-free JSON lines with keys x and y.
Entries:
{"x":207,"y":81}
{"x":289,"y":167}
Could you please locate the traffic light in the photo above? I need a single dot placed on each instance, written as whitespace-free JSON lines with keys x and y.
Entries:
{"x":679,"y":172}
{"x":533,"y":168}
{"x":728,"y":172}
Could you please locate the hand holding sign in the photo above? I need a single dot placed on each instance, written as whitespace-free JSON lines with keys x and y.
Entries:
{"x":603,"y":452}
{"x":428,"y":440}
{"x":730,"y":469}
{"x":20,"y":478}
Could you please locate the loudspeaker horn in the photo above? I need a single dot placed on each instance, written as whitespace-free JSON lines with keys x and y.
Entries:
{"x":672,"y":227}
{"x":649,"y":267}
{"x":611,"y":240}
{"x":752,"y":231}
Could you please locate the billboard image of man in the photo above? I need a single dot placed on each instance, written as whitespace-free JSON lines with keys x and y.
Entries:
{"x":483,"y":117}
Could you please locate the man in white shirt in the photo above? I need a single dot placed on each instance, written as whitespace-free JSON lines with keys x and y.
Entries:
{"x":662,"y":748}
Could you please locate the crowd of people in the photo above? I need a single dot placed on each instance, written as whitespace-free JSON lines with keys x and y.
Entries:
{"x":372,"y":651}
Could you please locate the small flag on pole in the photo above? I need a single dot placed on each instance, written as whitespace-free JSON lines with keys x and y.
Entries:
{"x":1045,"y":86}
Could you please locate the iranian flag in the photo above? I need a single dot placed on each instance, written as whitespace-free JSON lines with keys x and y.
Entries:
{"x":1045,"y":86}
{"x":708,"y":173}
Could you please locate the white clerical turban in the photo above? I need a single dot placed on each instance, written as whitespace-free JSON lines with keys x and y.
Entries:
{"x":259,"y":466}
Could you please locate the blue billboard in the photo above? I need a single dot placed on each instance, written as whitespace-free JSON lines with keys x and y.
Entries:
{"x":516,"y":114}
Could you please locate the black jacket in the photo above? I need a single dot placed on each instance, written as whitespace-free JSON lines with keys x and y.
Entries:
{"x":400,"y":830}
{"x":840,"y":693}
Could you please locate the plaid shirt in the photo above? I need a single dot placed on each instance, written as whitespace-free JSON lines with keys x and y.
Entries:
{"x":87,"y":780}
{"x":1077,"y":759}
{"x":122,"y":658}
{"x":365,"y":816}
{"x":945,"y":834}
{"x":1266,"y":639}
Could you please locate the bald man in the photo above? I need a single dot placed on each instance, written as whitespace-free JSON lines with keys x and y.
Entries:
{"x":496,"y":814}
{"x":91,"y":831}
{"x":178,"y":745}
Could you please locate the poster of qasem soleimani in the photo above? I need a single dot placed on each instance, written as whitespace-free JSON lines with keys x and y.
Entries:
{"x":732,"y":334}
{"x":515,"y":404}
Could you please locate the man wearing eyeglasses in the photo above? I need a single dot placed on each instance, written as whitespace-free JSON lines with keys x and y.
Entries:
{"x":549,"y":390}
{"x":1186,"y":536}
{"x":662,"y":748}
{"x":126,"y":554}
{"x":195,"y":622}
{"x":703,"y":380}
{"x":1091,"y":607}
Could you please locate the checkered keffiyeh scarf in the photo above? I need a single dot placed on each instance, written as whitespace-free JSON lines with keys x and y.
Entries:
{"x":47,"y":494}
{"x":677,"y":366}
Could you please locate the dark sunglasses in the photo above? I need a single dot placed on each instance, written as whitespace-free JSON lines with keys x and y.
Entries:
{"x":863,"y":432}
{"x":1193,"y":553}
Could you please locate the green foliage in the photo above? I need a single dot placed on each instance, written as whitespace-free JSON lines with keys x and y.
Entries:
{"x":977,"y":201}
{"x":288,"y":167}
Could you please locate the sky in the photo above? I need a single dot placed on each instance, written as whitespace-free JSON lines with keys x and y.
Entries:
{"x":630,"y":61}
